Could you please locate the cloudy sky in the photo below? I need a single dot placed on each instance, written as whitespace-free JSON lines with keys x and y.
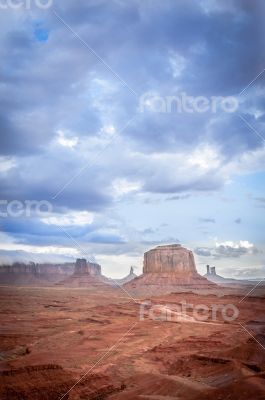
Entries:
{"x":90,"y":132}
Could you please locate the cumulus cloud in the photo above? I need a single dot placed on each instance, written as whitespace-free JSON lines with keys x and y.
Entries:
{"x":227,"y":249}
{"x":65,"y":115}
{"x":233,"y":249}
{"x":203,"y":251}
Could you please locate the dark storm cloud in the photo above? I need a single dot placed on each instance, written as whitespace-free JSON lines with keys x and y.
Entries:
{"x":54,"y":83}
{"x":221,"y":46}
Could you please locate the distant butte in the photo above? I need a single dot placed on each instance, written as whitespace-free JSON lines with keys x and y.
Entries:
{"x":84,"y":267}
{"x":122,"y":281}
{"x":167,"y":268}
{"x":86,"y":274}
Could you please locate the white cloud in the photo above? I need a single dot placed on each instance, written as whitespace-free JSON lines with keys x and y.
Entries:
{"x":236,"y":245}
{"x":177,"y":64}
{"x":66,"y":141}
{"x":6,"y":163}
{"x":68,"y":219}
{"x":205,"y":157}
{"x":44,"y":250}
{"x":228,"y":249}
{"x":123,"y":186}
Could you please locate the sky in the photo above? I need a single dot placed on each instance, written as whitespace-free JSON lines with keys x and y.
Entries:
{"x":107,"y":146}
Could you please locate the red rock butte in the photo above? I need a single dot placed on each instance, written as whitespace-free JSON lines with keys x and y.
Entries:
{"x":82,"y":266}
{"x":169,"y":259}
{"x":167,"y":268}
{"x":86,"y":275}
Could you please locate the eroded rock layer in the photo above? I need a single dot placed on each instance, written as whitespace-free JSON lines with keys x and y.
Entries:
{"x":168,"y":268}
{"x":82,"y":266}
{"x":86,"y":275}
{"x":169,"y":259}
{"x":33,"y":274}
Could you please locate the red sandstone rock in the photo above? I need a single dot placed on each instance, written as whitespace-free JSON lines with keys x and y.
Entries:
{"x":166,"y":268}
{"x":122,"y":281}
{"x":169,"y":259}
{"x":32,"y":274}
{"x":82,"y":266}
{"x":86,"y":275}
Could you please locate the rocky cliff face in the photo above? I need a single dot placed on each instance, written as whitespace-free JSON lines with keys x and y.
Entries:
{"x":212,"y":276}
{"x":29,"y":274}
{"x":167,"y":269}
{"x":85,"y":274}
{"x":169,"y":259}
{"x":82,"y":266}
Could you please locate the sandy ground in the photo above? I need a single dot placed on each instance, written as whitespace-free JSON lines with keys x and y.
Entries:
{"x":123,"y":348}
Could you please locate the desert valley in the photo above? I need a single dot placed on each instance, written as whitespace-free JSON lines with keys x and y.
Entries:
{"x":132,"y":169}
{"x":167,"y":334}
